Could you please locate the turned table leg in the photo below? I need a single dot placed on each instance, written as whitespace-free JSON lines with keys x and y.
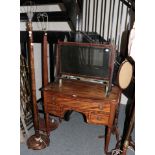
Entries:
{"x":47,"y":124}
{"x":107,"y":140}
{"x":115,"y":127}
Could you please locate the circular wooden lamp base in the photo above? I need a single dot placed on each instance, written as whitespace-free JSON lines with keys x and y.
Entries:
{"x":53,"y":124}
{"x":38,"y":143}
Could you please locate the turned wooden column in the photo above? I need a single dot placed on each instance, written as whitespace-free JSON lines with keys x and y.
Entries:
{"x":45,"y":79}
{"x":37,"y":141}
{"x":32,"y":75}
{"x":49,"y":125}
{"x":44,"y":63}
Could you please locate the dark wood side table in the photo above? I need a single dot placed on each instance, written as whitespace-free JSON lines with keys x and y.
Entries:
{"x":84,"y":97}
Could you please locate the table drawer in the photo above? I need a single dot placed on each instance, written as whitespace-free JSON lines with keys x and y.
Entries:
{"x":81,"y":103}
{"x":99,"y":109}
{"x":99,"y":118}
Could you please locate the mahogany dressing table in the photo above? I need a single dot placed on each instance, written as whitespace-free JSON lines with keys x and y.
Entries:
{"x":89,"y":98}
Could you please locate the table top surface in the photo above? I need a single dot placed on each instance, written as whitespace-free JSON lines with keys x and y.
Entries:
{"x":83,"y":89}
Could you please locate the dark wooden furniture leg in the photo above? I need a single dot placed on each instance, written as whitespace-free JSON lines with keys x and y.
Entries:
{"x":107,"y":139}
{"x":115,"y":129}
{"x":47,"y":124}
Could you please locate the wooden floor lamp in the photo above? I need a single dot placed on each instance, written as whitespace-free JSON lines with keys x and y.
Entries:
{"x":43,"y":25}
{"x":37,"y":141}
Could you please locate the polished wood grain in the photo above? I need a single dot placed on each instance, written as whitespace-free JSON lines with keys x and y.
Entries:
{"x":84,"y":97}
{"x":44,"y":63}
{"x":33,"y":82}
{"x":86,"y":90}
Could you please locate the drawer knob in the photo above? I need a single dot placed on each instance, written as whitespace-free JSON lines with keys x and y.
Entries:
{"x":74,"y":95}
{"x":101,"y":107}
{"x":53,"y":98}
{"x":98,"y":118}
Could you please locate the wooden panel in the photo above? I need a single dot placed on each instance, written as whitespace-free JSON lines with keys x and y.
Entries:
{"x":54,"y":109}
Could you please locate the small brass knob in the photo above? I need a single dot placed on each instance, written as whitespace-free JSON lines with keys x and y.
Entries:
{"x":53,"y":98}
{"x":99,"y":118}
{"x":101,"y":106}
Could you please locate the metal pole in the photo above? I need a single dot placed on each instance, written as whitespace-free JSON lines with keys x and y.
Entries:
{"x":109,"y":21}
{"x":117,"y":21}
{"x":93,"y":15}
{"x":104,"y":17}
{"x":119,"y":37}
{"x":112,"y":19}
{"x":82,"y":16}
{"x":96,"y":16}
{"x":86,"y":16}
{"x":101,"y":19}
